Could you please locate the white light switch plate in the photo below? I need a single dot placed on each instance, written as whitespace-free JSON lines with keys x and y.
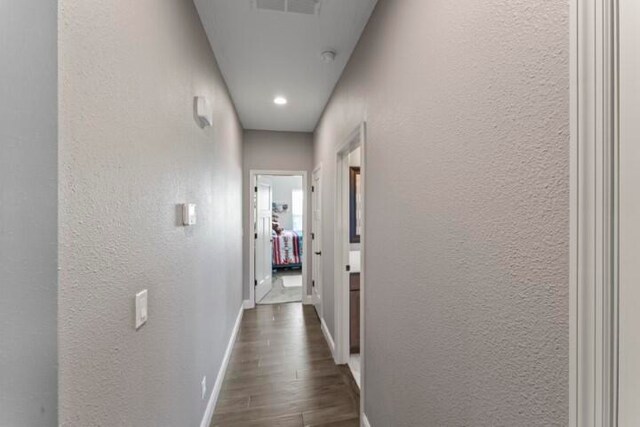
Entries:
{"x":189,"y":214}
{"x":141,"y":308}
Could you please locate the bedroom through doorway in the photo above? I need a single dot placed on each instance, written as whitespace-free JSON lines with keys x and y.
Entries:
{"x":279,"y":226}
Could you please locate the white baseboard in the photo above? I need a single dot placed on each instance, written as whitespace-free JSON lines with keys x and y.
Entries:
{"x":328,"y":337}
{"x":365,"y":421}
{"x":248,"y":304}
{"x":215,"y":393}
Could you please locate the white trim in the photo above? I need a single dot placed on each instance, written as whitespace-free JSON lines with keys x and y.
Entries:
{"x":248,"y":304}
{"x":215,"y":393}
{"x":365,"y":420}
{"x":357,"y":138}
{"x":341,"y":251}
{"x":316,"y":299}
{"x":593,"y":288}
{"x":341,"y":245}
{"x":328,"y":337}
{"x":253,"y":173}
{"x":363,"y":269}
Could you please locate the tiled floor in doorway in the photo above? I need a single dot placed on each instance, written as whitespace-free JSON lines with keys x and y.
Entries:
{"x":287,"y":287}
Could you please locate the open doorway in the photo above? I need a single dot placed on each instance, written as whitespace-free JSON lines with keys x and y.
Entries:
{"x":278,"y":215}
{"x":350,"y":253}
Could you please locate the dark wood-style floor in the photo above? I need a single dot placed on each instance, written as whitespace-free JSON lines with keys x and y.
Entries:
{"x":281,"y":374}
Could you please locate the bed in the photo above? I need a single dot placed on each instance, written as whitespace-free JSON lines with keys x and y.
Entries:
{"x":287,"y":249}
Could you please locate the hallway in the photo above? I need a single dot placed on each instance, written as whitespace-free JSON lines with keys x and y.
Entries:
{"x":281,"y":373}
{"x":458,"y":230}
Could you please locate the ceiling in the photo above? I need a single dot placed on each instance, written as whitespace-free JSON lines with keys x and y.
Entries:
{"x":265,"y":53}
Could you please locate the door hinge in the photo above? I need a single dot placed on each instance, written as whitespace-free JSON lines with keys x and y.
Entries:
{"x":255,"y":283}
{"x":255,"y":189}
{"x":313,"y":188}
{"x":348,"y":267}
{"x":255,"y":236}
{"x":313,"y":236}
{"x":313,"y":283}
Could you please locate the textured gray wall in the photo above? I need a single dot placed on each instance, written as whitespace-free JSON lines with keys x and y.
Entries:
{"x":270,"y":150}
{"x":28,"y":212}
{"x":467,"y":208}
{"x":130,"y":151}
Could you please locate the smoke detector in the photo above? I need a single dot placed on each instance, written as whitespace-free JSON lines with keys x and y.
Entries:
{"x":328,"y":56}
{"x":305,"y":7}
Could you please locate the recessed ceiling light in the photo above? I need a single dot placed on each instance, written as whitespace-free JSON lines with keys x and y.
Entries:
{"x":280,"y":100}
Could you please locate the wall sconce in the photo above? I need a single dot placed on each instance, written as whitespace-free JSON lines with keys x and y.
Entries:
{"x":204,"y":112}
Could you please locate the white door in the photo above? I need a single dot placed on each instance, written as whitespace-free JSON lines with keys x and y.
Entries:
{"x":263,"y":258}
{"x":629,"y":205}
{"x":316,"y":236}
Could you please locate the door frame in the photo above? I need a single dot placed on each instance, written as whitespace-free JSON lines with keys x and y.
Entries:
{"x":319,"y":285}
{"x":268,"y":286}
{"x":357,"y":138}
{"x":593,"y":285}
{"x":253,"y":176}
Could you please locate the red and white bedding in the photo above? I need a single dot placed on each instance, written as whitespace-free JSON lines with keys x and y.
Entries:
{"x":287,"y":248}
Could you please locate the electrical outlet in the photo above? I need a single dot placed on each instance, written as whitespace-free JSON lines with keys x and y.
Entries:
{"x":204,"y":387}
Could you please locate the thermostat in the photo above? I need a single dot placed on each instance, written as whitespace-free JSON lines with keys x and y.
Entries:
{"x":189,"y":214}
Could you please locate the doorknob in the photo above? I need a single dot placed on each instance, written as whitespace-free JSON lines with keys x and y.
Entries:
{"x":318,"y":253}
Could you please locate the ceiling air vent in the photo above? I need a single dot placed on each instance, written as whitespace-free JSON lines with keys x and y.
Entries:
{"x":306,"y":7}
{"x":278,"y":5}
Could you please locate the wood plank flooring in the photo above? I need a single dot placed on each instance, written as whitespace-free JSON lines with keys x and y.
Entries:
{"x":281,"y":373}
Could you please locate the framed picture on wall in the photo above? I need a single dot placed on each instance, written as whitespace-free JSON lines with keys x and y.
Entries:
{"x":355,"y":204}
